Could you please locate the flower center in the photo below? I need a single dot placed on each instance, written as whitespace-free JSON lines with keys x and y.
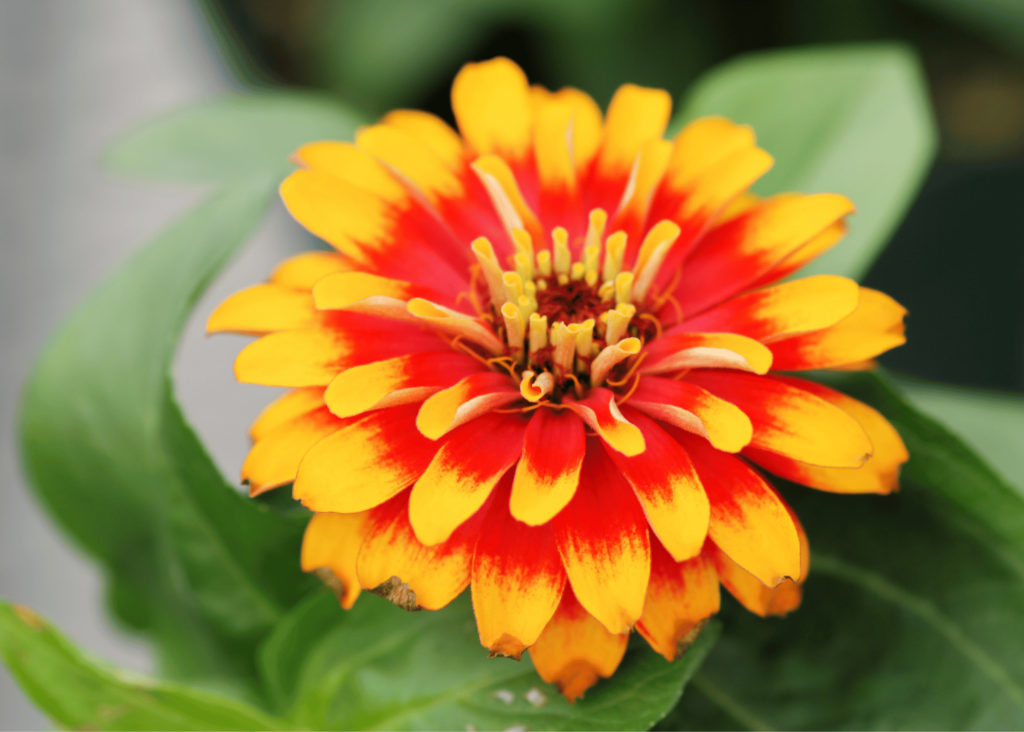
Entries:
{"x":573,"y":325}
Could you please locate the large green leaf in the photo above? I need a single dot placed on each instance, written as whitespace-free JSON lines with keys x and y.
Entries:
{"x":912,"y":613}
{"x":379,"y":667}
{"x":852,"y":120}
{"x":232,"y":137}
{"x":110,"y":458}
{"x":78,"y":692}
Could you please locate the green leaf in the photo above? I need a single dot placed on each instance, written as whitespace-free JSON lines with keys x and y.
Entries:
{"x":232,"y":137}
{"x":379,"y":667}
{"x":78,"y":692}
{"x":852,"y":120}
{"x":108,"y":455}
{"x":911,"y":614}
{"x":990,"y":422}
{"x":1003,"y":20}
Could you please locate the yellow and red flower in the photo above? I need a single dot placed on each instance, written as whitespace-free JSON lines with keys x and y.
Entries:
{"x":541,"y":364}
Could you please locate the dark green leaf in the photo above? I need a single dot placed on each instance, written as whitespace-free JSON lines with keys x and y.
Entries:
{"x":93,"y":438}
{"x":232,"y":137}
{"x":912,"y":613}
{"x":1003,"y":20}
{"x":852,"y":120}
{"x":78,"y":692}
{"x":379,"y":667}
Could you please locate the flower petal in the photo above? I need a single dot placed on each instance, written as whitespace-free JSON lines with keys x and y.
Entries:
{"x":364,"y":464}
{"x":791,"y":421}
{"x":680,"y":595}
{"x":695,"y":410}
{"x":362,"y":292}
{"x":472,"y":397}
{"x":603,"y":539}
{"x":749,"y":521}
{"x":416,"y":162}
{"x":463,"y":473}
{"x":492,"y":107}
{"x":395,"y":381}
{"x":430,"y":130}
{"x":517,"y":578}
{"x":446,"y":320}
{"x":285,"y":408}
{"x":880,"y":474}
{"x":602,"y":415}
{"x":734,"y":254}
{"x":395,"y":565}
{"x":575,"y":650}
{"x":332,"y":541}
{"x":274,"y":459}
{"x":314,"y":357}
{"x":782,"y":311}
{"x":549,"y":471}
{"x":706,"y":351}
{"x":872,"y":329}
{"x":304,"y":270}
{"x":264,"y":309}
{"x":665,"y":481}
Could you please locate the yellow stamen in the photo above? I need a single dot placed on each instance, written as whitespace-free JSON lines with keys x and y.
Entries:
{"x":527,"y":306}
{"x":623,"y":288}
{"x":530,"y":289}
{"x":585,"y":340}
{"x":564,"y":340}
{"x":538,"y":332}
{"x":484,"y":253}
{"x":535,"y":387}
{"x":514,"y":329}
{"x":523,"y":242}
{"x":618,"y":323}
{"x":598,"y":219}
{"x":524,"y":267}
{"x":513,"y":284}
{"x":614,"y":250}
{"x":563,"y":259}
{"x":610,"y":356}
{"x":542,"y":284}
{"x":544,"y":263}
{"x":501,"y":185}
{"x":577,"y":272}
{"x":607,"y":292}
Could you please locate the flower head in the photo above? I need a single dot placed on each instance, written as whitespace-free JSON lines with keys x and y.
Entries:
{"x":541,"y":363}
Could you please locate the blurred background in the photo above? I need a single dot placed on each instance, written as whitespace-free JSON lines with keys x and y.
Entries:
{"x":74,"y":76}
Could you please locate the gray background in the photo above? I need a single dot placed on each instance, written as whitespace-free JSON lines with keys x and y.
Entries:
{"x":74,"y":74}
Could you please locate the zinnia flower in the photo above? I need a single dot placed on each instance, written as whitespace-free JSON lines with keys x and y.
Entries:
{"x":542,"y":364}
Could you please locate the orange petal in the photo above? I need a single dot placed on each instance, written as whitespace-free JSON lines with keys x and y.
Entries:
{"x":314,"y":357}
{"x":347,"y":163}
{"x":394,"y":564}
{"x":492,"y":107}
{"x":364,"y":464}
{"x":575,"y":650}
{"x":549,"y":471}
{"x":695,"y":410}
{"x":680,"y":595}
{"x":706,"y":351}
{"x":403,"y":380}
{"x":285,"y":408}
{"x":733,"y":254}
{"x":474,"y":396}
{"x":332,"y":540}
{"x":274,"y":459}
{"x":430,"y":130}
{"x":304,"y":270}
{"x":603,"y":539}
{"x":748,"y":519}
{"x":587,"y":125}
{"x":517,"y":578}
{"x":446,"y":320}
{"x":602,"y":415}
{"x":782,"y":311}
{"x":791,"y":421}
{"x":264,"y":309}
{"x":635,"y":116}
{"x":665,"y":481}
{"x":872,"y":329}
{"x":463,"y":473}
{"x":416,"y":162}
{"x":751,"y":592}
{"x":805,"y":254}
{"x":880,"y":474}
